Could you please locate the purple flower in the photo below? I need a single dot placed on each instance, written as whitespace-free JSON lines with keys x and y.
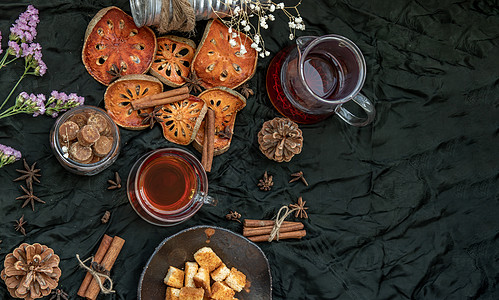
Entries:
{"x":1,"y":50}
{"x":8,"y":155}
{"x":31,"y":104}
{"x":14,"y":49}
{"x":24,"y":29}
{"x":59,"y":102}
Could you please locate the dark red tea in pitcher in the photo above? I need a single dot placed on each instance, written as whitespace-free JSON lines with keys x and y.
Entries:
{"x":167,"y":182}
{"x":309,"y":81}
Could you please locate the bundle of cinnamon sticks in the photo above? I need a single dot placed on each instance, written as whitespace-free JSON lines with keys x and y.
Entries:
{"x":167,"y":97}
{"x":259,"y":230}
{"x":106,"y":256}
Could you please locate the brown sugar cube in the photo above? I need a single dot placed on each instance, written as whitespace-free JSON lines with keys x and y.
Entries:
{"x":220,"y":291}
{"x":191,"y":268}
{"x":207,"y":259}
{"x":202,"y":280}
{"x":190,"y":293}
{"x":102,"y":146}
{"x":174,"y":277}
{"x":220,"y":273}
{"x":88,"y":135}
{"x":80,"y":119}
{"x":236,"y":280}
{"x":68,"y":131}
{"x":172,"y":293}
{"x":99,"y":122}
{"x":80,"y":153}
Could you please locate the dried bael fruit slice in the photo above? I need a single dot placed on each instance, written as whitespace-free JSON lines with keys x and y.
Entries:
{"x":225,"y":103}
{"x":173,"y":60}
{"x":115,"y":46}
{"x":123,"y":91}
{"x":182,"y":119}
{"x":218,"y":63}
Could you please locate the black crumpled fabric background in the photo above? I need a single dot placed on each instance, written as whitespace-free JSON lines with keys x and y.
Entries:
{"x":406,"y":208}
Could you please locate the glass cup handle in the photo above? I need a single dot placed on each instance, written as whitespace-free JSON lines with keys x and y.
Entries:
{"x":354,"y":120}
{"x":206,"y":199}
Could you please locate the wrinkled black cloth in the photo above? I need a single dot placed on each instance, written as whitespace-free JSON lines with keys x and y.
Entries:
{"x":405,"y":208}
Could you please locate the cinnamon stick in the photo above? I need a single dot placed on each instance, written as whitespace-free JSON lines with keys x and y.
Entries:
{"x":252,"y":231}
{"x":107,"y":262}
{"x":260,"y":223}
{"x":208,"y":141}
{"x":161,"y":98}
{"x":99,"y":255}
{"x":282,"y":236}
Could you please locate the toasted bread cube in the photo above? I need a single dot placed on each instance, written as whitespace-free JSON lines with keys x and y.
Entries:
{"x":172,"y":293}
{"x":220,"y":273}
{"x":202,"y":280}
{"x":191,"y":268}
{"x":174,"y":277}
{"x":236,"y":280}
{"x":207,"y":259}
{"x":220,"y":291}
{"x":190,"y":293}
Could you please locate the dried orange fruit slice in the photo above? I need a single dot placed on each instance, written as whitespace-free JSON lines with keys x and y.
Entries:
{"x":115,"y":46}
{"x":124,"y":90}
{"x":173,"y":60}
{"x":225,"y":103}
{"x":217,"y":63}
{"x":182,"y":119}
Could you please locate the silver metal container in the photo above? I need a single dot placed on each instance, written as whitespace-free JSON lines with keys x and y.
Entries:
{"x":148,"y":12}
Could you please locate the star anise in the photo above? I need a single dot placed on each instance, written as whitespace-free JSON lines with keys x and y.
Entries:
{"x":105,"y":217}
{"x":19,"y":225}
{"x":298,"y":176}
{"x":233,"y":216}
{"x":29,"y":198}
{"x":225,"y":134}
{"x":194,"y":83}
{"x":245,"y":90}
{"x":116,"y":183}
{"x":58,"y":294}
{"x":300,"y":208}
{"x":30,"y":174}
{"x":115,"y":72}
{"x":153,"y":117}
{"x":266,"y":182}
{"x":99,"y":268}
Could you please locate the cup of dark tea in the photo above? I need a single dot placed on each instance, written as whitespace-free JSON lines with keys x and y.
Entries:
{"x":168,"y":186}
{"x":313,"y":79}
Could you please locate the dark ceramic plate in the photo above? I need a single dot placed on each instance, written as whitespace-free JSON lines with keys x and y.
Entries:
{"x":234,"y":250}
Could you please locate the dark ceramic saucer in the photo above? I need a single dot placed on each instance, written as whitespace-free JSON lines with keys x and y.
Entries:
{"x":234,"y":250}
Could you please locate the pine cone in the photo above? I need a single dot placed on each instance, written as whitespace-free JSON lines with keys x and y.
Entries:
{"x":280,"y":139}
{"x":31,"y":271}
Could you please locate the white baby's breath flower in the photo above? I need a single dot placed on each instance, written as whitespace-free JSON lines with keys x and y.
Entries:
{"x":272,"y":8}
{"x":291,"y":36}
{"x":230,"y":29}
{"x":280,"y":5}
{"x":262,"y":55}
{"x":267,"y":53}
{"x":271,"y":17}
{"x":232,"y":42}
{"x":247,"y":28}
{"x":298,"y":20}
{"x":243,"y":51}
{"x":243,"y":22}
{"x":252,"y":6}
{"x":254,"y":45}
{"x":234,"y":35}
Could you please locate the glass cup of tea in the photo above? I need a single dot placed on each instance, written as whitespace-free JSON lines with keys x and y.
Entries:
{"x":168,"y":186}
{"x":312,"y":80}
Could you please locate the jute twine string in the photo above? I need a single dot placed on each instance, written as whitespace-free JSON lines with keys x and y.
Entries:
{"x":97,"y":276}
{"x":182,"y":19}
{"x":279,"y":220}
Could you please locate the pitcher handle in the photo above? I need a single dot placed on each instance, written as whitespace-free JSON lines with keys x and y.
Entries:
{"x":206,"y":199}
{"x":354,"y":120}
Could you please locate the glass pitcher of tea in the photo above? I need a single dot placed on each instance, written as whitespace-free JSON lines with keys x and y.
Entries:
{"x":311,"y":80}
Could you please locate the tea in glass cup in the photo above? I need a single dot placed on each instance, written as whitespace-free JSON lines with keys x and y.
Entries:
{"x":168,"y":186}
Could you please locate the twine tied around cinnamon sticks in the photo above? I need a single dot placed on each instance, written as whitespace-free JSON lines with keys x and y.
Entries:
{"x":97,"y":275}
{"x":278,"y":222}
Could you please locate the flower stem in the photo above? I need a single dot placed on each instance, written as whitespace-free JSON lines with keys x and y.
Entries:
{"x":4,"y":58}
{"x":14,"y":88}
